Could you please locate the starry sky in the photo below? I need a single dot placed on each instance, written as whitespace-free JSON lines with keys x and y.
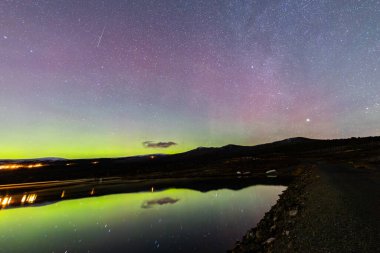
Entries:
{"x":118,"y":78}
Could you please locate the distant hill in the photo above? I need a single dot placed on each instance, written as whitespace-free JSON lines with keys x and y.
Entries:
{"x":290,"y":145}
{"x":42,"y":159}
{"x":208,"y":162}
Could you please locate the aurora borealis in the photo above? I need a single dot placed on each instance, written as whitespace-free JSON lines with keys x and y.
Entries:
{"x":101,"y":78}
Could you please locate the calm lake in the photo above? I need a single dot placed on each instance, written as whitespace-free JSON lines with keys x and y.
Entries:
{"x":173,"y":220}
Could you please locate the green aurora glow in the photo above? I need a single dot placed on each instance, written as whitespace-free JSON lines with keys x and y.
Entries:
{"x":89,"y":223}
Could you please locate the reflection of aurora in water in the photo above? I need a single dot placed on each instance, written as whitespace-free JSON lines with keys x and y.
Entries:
{"x":177,"y":220}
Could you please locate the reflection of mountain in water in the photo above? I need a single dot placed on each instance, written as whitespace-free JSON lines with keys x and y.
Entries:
{"x":49,"y":192}
{"x":179,"y":220}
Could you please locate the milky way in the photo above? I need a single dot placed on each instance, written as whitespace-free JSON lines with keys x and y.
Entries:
{"x":100,"y":78}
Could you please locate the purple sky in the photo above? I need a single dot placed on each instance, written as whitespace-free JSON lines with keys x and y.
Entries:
{"x":100,"y":78}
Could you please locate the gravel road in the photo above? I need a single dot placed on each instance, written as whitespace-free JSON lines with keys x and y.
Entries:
{"x":331,"y":208}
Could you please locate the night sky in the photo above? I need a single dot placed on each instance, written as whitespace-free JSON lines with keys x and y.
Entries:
{"x":119,"y":78}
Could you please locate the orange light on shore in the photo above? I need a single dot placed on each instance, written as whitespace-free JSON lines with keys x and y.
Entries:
{"x":16,"y":166}
{"x":37,"y":165}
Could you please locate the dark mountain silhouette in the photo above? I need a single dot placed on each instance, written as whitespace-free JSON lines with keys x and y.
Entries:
{"x":224,"y":161}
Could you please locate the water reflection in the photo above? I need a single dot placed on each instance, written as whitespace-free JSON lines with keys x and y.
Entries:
{"x":17,"y":200}
{"x":5,"y":201}
{"x":29,"y":198}
{"x":163,"y":201}
{"x":174,"y":220}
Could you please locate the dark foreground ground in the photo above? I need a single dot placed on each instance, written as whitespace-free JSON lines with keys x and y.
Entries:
{"x":330,"y":207}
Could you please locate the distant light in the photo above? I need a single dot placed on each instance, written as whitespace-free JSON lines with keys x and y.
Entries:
{"x":308,"y":120}
{"x":20,"y":166}
{"x":63,"y":194}
{"x":152,"y":189}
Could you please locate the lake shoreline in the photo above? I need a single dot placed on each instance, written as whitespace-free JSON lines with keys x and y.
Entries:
{"x":329,"y":207}
{"x":278,"y":221}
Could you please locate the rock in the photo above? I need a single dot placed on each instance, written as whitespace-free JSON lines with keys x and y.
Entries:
{"x":270,"y":240}
{"x":258,"y":235}
{"x":272,"y":228}
{"x":287,"y":232}
{"x":293,"y":212}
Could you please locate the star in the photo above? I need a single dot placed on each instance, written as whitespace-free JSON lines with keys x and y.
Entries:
{"x":136,"y":68}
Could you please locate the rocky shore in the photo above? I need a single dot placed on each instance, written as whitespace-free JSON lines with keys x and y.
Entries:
{"x":332,"y":206}
{"x":277,"y":224}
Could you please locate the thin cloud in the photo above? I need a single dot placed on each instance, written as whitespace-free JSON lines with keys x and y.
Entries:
{"x":151,"y":144}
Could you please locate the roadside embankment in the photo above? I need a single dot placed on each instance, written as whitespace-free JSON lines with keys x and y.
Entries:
{"x":330,"y":207}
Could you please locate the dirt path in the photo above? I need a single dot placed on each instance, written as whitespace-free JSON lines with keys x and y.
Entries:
{"x":342,"y":212}
{"x":338,"y":210}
